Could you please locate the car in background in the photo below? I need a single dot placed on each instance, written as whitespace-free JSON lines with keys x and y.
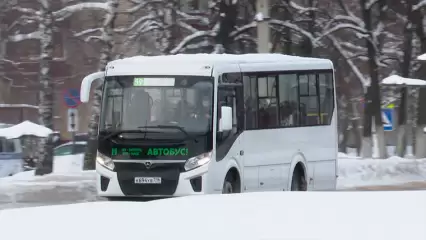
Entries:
{"x":10,"y":157}
{"x":69,"y":157}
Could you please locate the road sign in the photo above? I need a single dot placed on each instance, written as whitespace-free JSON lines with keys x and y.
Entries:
{"x":387,"y":118}
{"x":72,"y":97}
{"x":72,"y":124}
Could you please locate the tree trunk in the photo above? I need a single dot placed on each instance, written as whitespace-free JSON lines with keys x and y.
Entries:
{"x":311,"y":28}
{"x":228,"y":10}
{"x":356,"y":130}
{"x":343,"y":135}
{"x":367,"y":140}
{"x":420,"y":136}
{"x":420,"y":149}
{"x":106,"y":52}
{"x":403,"y":128}
{"x":172,"y":29}
{"x":374,"y":89}
{"x":46,"y":98}
{"x":401,"y":146}
{"x":288,"y":48}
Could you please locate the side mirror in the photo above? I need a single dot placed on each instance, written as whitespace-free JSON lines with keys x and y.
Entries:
{"x":87,"y":83}
{"x":225,"y":122}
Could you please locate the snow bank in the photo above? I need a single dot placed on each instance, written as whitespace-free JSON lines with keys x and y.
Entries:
{"x":398,"y":80}
{"x":251,"y":216}
{"x":357,"y":172}
{"x":49,"y":189}
{"x":77,"y":186}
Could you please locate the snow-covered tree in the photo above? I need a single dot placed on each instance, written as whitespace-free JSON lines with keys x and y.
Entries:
{"x":372,"y":42}
{"x":177,"y":30}
{"x":46,"y":18}
{"x":106,"y":39}
{"x":418,"y":20}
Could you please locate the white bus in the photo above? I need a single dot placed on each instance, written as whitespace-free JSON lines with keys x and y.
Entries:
{"x":215,"y":123}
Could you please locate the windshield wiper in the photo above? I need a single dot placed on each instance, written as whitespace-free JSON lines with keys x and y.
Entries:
{"x":172,"y":127}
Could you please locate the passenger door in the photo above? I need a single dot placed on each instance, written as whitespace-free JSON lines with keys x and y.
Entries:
{"x":260,"y":159}
{"x":270,"y":169}
{"x":233,"y":97}
{"x":250,"y":163}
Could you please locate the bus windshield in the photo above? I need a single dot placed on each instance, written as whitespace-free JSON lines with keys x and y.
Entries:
{"x":166,"y":104}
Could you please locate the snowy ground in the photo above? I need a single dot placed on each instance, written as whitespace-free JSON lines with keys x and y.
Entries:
{"x":250,"y":216}
{"x":24,"y":189}
{"x":357,"y":172}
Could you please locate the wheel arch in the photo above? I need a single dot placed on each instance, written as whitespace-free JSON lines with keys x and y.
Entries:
{"x":234,"y":168}
{"x":297,"y":160}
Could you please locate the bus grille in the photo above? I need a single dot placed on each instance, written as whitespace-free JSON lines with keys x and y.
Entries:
{"x":169,"y":173}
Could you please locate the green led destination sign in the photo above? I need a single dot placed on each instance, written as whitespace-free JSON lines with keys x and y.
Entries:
{"x":149,"y":152}
{"x":153,"y":82}
{"x":138,"y":82}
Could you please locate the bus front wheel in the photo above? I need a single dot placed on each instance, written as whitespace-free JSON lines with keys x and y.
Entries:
{"x":231,"y":183}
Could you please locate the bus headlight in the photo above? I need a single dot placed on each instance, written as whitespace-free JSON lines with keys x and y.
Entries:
{"x":198,"y":161}
{"x":105,"y":161}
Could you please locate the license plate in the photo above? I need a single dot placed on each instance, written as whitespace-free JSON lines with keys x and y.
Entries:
{"x":147,"y":180}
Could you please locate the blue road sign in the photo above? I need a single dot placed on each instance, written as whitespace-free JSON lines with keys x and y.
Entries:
{"x":72,"y":97}
{"x":387,"y":118}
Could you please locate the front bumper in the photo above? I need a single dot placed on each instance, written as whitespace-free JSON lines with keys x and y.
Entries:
{"x":113,"y":184}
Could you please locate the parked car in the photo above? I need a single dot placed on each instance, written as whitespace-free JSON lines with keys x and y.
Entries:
{"x":10,"y":157}
{"x":69,"y":157}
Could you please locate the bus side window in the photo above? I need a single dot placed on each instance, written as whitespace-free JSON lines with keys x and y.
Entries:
{"x":268,"y":106}
{"x":326,"y":97}
{"x":289,"y":100}
{"x":250,"y":101}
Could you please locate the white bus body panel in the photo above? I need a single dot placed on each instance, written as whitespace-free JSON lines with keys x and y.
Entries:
{"x":270,"y":155}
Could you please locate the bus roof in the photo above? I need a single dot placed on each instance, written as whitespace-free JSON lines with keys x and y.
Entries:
{"x":195,"y":64}
{"x":214,"y":59}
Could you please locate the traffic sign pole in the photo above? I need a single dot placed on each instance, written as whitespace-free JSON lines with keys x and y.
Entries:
{"x":72,"y":125}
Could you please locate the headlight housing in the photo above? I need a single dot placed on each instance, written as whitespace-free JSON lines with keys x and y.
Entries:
{"x":105,"y":161}
{"x":198,"y":161}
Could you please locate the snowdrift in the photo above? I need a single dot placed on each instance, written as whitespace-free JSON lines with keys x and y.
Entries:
{"x":250,"y":216}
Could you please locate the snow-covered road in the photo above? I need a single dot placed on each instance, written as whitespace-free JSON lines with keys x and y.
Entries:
{"x":24,"y":189}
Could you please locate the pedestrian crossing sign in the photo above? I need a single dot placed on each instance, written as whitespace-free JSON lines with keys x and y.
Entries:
{"x":387,"y":118}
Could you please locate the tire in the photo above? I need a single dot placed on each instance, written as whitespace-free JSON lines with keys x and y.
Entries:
{"x":228,"y":186}
{"x":297,"y":182}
